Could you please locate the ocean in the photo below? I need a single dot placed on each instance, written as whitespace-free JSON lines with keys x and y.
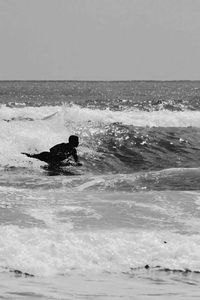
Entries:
{"x":124,"y":225}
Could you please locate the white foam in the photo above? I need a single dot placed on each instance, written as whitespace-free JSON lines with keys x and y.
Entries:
{"x":78,"y":114}
{"x":27,"y":112}
{"x":162,"y":118}
{"x":47,"y":252}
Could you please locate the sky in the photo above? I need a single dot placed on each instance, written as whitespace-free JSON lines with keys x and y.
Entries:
{"x":99,"y":39}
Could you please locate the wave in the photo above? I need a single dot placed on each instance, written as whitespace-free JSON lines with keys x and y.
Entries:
{"x":79,"y":180}
{"x":110,"y":141}
{"x":161,"y":118}
{"x":26,"y":113}
{"x":78,"y":114}
{"x":174,"y":179}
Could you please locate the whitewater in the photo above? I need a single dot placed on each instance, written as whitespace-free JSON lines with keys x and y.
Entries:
{"x":125,"y":225}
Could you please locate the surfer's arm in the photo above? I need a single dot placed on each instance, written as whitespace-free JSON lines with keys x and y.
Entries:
{"x":75,"y":157}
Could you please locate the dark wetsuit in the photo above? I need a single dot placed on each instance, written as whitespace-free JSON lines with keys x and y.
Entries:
{"x":57,"y":154}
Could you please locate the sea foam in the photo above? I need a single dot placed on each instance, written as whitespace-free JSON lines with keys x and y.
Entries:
{"x":54,"y":251}
{"x":78,"y":114}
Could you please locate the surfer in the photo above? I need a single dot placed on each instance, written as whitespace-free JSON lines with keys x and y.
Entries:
{"x":59,"y":152}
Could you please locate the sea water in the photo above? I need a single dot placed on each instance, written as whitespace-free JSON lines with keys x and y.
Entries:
{"x":126,"y":224}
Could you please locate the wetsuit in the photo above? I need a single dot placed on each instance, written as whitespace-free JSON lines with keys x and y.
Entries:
{"x":57,"y":154}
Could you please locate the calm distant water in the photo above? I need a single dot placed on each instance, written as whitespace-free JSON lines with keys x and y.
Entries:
{"x":126,"y":224}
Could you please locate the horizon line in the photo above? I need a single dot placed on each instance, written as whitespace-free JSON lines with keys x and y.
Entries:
{"x":97,"y":80}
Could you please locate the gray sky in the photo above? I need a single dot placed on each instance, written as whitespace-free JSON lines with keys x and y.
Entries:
{"x":99,"y":39}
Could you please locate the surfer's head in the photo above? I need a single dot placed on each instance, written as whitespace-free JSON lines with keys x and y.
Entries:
{"x":73,"y":140}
